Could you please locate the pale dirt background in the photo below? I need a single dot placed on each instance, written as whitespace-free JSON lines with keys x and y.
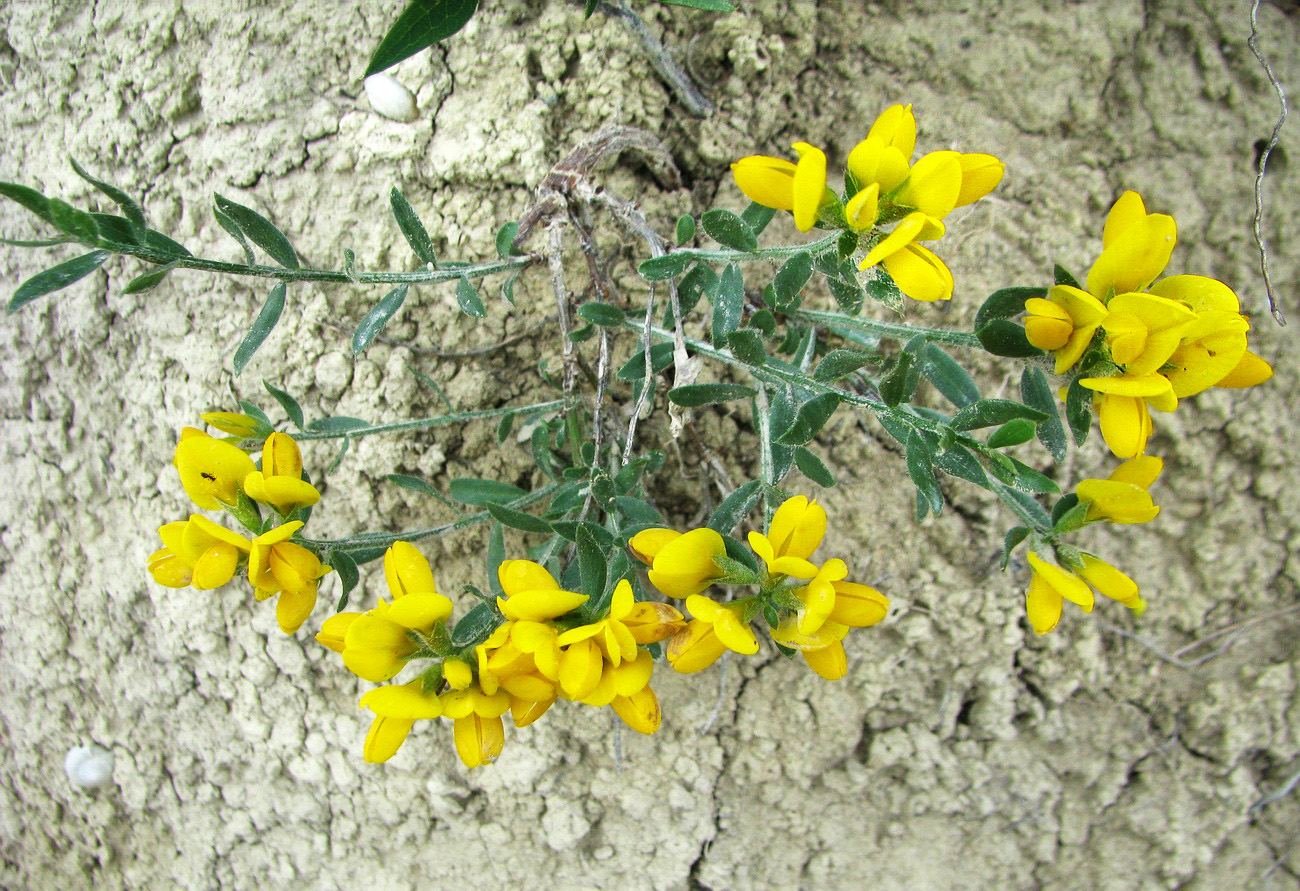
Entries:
{"x":961,"y":751}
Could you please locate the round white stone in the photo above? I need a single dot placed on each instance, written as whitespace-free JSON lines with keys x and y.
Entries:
{"x":390,"y":97}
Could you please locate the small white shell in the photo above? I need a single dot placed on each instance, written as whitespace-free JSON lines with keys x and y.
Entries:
{"x":390,"y":98}
{"x":89,"y":767}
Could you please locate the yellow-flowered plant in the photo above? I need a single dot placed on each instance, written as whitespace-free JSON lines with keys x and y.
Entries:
{"x":578,"y":618}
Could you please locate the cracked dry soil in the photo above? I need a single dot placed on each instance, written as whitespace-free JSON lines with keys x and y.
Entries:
{"x":961,"y":752}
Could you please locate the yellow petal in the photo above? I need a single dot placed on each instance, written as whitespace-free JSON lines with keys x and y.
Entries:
{"x":1118,"y":502}
{"x":419,"y":611}
{"x":1205,"y":362}
{"x":1069,"y":586}
{"x":980,"y":174}
{"x":863,"y":208}
{"x":858,"y":605}
{"x":1143,"y":387}
{"x":734,"y":633}
{"x":406,"y":570}
{"x":236,"y":424}
{"x":933,"y":184}
{"x":478,"y":740}
{"x":647,"y":543}
{"x":385,"y":737}
{"x":1043,"y":605}
{"x":651,"y":622}
{"x":1198,"y":292}
{"x":457,"y":674}
{"x":1047,"y":326}
{"x":1127,"y":210}
{"x":896,"y":127}
{"x":920,"y":274}
{"x":580,"y":669}
{"x":525,"y":575}
{"x":1125,"y":424}
{"x":904,"y":234}
{"x":632,"y":676}
{"x":830,"y":661}
{"x":695,"y":648}
{"x":408,"y":701}
{"x":216,"y":566}
{"x":281,"y":456}
{"x":1083,"y":308}
{"x":293,"y":607}
{"x":874,"y":162}
{"x":1250,"y":371}
{"x":529,"y":688}
{"x":1108,"y":580}
{"x":1141,"y":471}
{"x":766,"y":181}
{"x":1135,"y":256}
{"x":211,"y":471}
{"x":540,"y":604}
{"x":798,"y":527}
{"x":684,"y":566}
{"x":525,"y":713}
{"x":640,"y":711}
{"x":809,"y":185}
{"x":281,"y":492}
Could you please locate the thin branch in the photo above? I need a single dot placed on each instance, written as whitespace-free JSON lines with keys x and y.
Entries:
{"x":1253,"y":43}
{"x":440,"y":421}
{"x":678,"y":80}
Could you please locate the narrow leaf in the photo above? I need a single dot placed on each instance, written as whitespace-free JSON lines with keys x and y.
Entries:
{"x":1005,"y":303}
{"x":1005,"y":338}
{"x":729,"y":230}
{"x":735,"y":507}
{"x":148,"y":280}
{"x":260,"y":231}
{"x":1037,"y":393}
{"x":810,"y":419}
{"x":287,"y":402}
{"x":813,"y":467}
{"x":664,"y":267}
{"x":480,"y":492}
{"x":130,"y":208}
{"x":77,"y":223}
{"x":349,"y":576}
{"x":1015,"y":535}
{"x":414,"y":483}
{"x":591,"y":564}
{"x":496,"y":555}
{"x":661,"y":356}
{"x":919,"y":467}
{"x":729,"y":304}
{"x":506,"y":236}
{"x":790,"y":280}
{"x":475,"y":626}
{"x":847,"y":293}
{"x":517,"y":519}
{"x":708,"y":394}
{"x":841,"y":363}
{"x":412,"y":229}
{"x":335,"y":425}
{"x":377,"y":318}
{"x":709,"y":5}
{"x":993,"y":412}
{"x":422,"y":24}
{"x":227,"y":222}
{"x":746,"y":345}
{"x":1078,"y":411}
{"x":602,"y":314}
{"x":1012,"y":433}
{"x":468,"y":299}
{"x":756,"y":217}
{"x":56,"y":278}
{"x":948,"y":377}
{"x":266,"y":320}
{"x":28,"y":198}
{"x":685,"y":229}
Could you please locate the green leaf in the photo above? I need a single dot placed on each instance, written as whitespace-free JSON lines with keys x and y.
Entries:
{"x":227,"y":222}
{"x":260,"y":231}
{"x":377,"y":318}
{"x":1062,"y":276}
{"x":1078,"y":411}
{"x":148,"y":280}
{"x":1063,"y":506}
{"x":848,"y":294}
{"x":729,"y":230}
{"x":948,"y":377}
{"x":699,"y":281}
{"x":993,"y":412}
{"x":661,"y":356}
{"x":883,"y":290}
{"x":591,"y":8}
{"x":517,"y":519}
{"x":1070,"y":519}
{"x":790,"y":280}
{"x":709,"y":5}
{"x":591,"y":565}
{"x":256,"y":414}
{"x":1012,"y":433}
{"x":900,"y":382}
{"x":812,"y":467}
{"x":130,"y":209}
{"x":33,"y":242}
{"x":729,"y":304}
{"x":685,"y":229}
{"x":920,"y":459}
{"x":413,"y":230}
{"x":1005,"y":303}
{"x":1015,"y":535}
{"x":810,"y":419}
{"x":637,"y":511}
{"x":113,"y":230}
{"x":1037,"y":393}
{"x":56,"y":278}
{"x":164,"y":245}
{"x":476,"y":625}
{"x":708,"y":394}
{"x":1003,"y":338}
{"x":735,"y":507}
{"x":756,"y":217}
{"x":1030,"y":480}
{"x":1029,"y":505}
{"x":339,"y":455}
{"x":335,"y":425}
{"x":480,"y":492}
{"x":28,"y":198}
{"x":746,"y":345}
{"x":266,"y":320}
{"x":667,"y":266}
{"x":506,"y":236}
{"x":349,"y":576}
{"x":287,"y":402}
{"x":414,"y":483}
{"x":422,"y":24}
{"x":496,"y":555}
{"x":602,"y":314}
{"x":77,"y":223}
{"x":959,"y":462}
{"x":468,"y":299}
{"x":841,"y":363}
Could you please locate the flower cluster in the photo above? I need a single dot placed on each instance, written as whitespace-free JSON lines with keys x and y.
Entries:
{"x":882,"y":187}
{"x":809,"y":608}
{"x":218,"y":475}
{"x":1138,"y":342}
{"x":548,"y":645}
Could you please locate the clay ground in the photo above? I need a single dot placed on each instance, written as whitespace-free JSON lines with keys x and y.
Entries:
{"x":961,"y":752}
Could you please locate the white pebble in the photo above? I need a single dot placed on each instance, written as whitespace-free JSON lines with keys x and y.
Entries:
{"x":89,"y":767}
{"x":390,"y":98}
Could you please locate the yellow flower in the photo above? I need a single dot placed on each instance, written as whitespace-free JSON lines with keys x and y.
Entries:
{"x":731,"y":629}
{"x":1049,"y":588}
{"x":614,"y":638}
{"x":1136,"y":247}
{"x":477,"y":730}
{"x":823,"y":649}
{"x":857,"y":606}
{"x":640,"y":711}
{"x":694,"y":648}
{"x":211,"y":471}
{"x":917,"y":271}
{"x":681,"y":564}
{"x":279,"y":483}
{"x":933,"y":184}
{"x":279,"y":566}
{"x":797,"y":530}
{"x":407,"y":571}
{"x":396,"y":709}
{"x":1064,"y":322}
{"x":818,"y":596}
{"x":1123,"y":412}
{"x":777,"y":183}
{"x":197,"y":552}
{"x":1143,"y":330}
{"x":1110,"y":582}
{"x":980,"y":174}
{"x":238,"y":425}
{"x":1123,"y":497}
{"x":532,"y":593}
